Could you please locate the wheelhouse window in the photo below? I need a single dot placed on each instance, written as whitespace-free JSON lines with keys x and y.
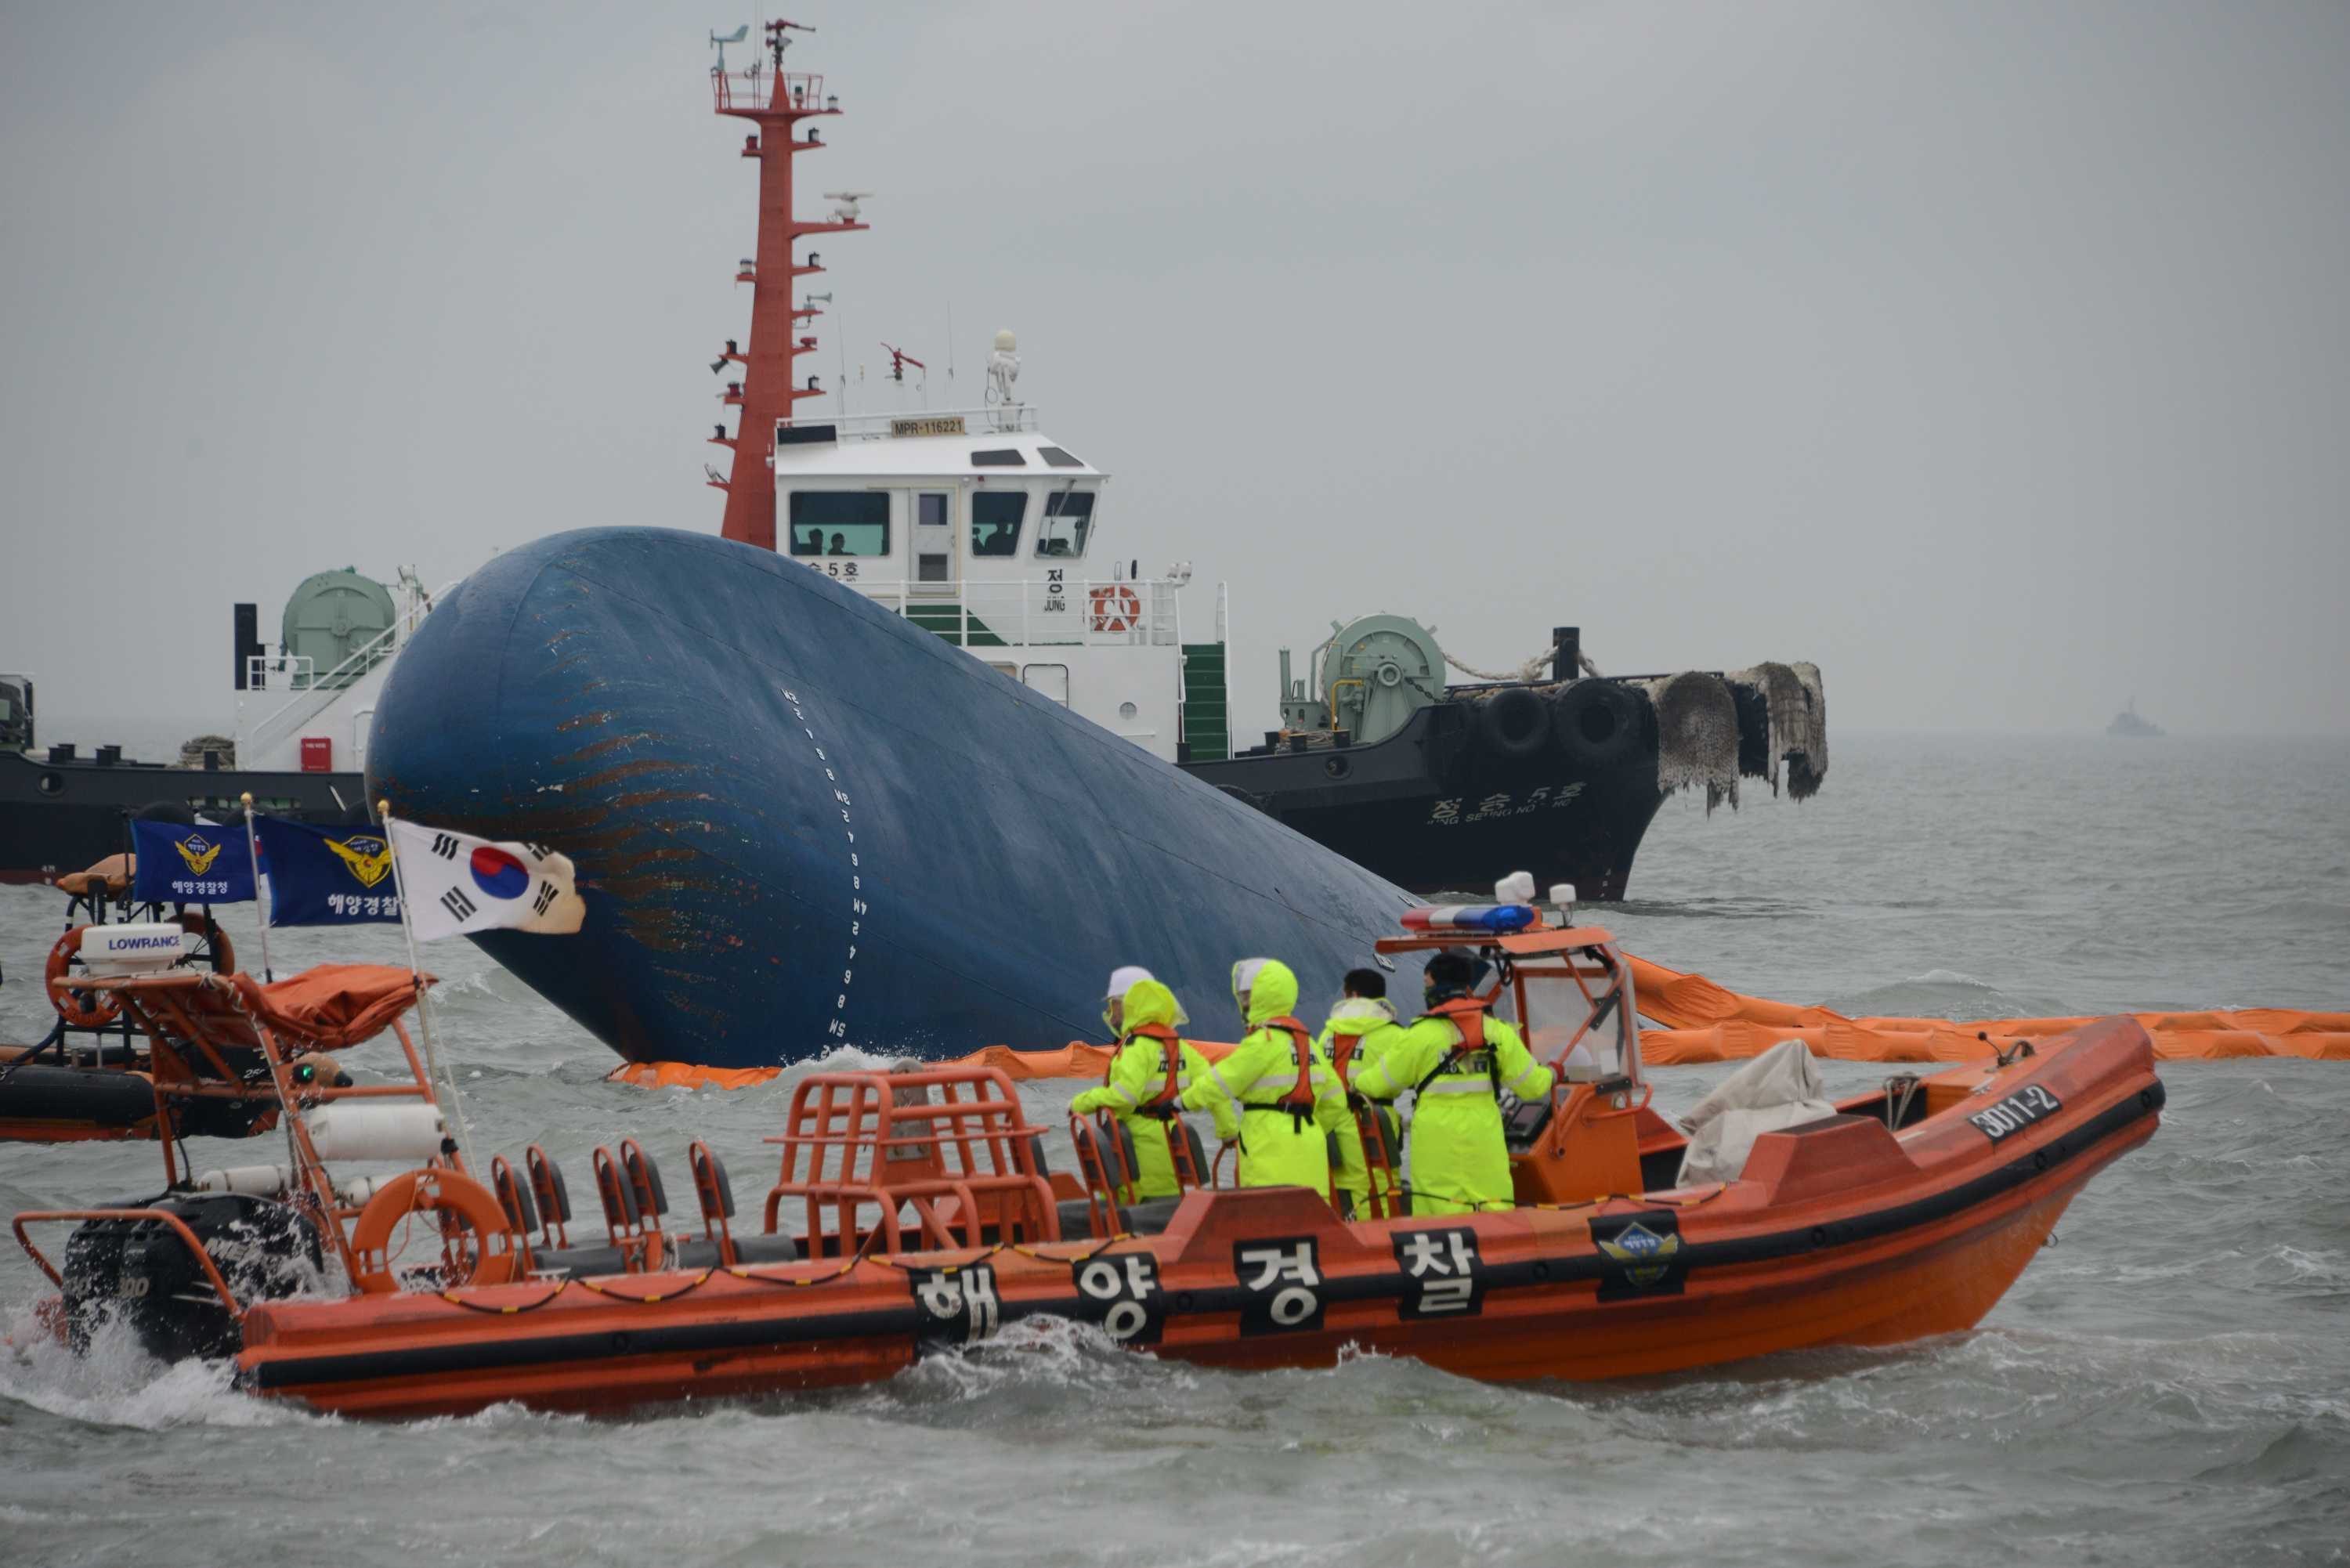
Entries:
{"x":840,"y":522}
{"x":995,"y":518}
{"x":1068,"y":519}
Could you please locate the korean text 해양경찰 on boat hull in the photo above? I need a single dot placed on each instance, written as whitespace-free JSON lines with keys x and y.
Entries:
{"x":802,"y":821}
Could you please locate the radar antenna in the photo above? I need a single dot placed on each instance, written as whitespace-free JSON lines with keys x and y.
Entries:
{"x":1003,"y":369}
{"x":778,"y":43}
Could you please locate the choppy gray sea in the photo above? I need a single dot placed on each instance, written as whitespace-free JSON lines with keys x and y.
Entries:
{"x":2169,"y":1383}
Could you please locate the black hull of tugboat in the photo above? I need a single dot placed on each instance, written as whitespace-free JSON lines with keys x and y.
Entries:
{"x":58,"y":816}
{"x":1439,"y":807}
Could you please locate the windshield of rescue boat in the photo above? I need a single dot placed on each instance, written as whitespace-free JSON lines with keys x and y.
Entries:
{"x":1557,"y":1011}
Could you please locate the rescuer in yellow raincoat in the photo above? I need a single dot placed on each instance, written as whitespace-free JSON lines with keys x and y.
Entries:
{"x":1289,"y":1098}
{"x":1460,"y":1058}
{"x":1359,"y":1030}
{"x":1135,"y":1093}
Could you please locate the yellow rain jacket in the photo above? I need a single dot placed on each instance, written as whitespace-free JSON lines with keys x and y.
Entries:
{"x":1459,"y":1163}
{"x":1279,"y":1147}
{"x":1359,"y":1031}
{"x":1133,"y":1086}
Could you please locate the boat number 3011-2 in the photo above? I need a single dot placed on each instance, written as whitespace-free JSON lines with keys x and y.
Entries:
{"x":2018,"y":1111}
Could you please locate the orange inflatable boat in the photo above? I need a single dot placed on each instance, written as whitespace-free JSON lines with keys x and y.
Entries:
{"x":182,"y":1059}
{"x":914,"y":1212}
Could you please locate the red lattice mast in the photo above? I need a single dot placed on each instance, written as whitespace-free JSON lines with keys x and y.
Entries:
{"x":776,"y":101}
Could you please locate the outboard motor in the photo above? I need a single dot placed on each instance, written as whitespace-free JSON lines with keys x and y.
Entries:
{"x":141,"y":1272}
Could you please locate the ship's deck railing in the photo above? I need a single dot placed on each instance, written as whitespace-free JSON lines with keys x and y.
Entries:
{"x":280,"y":672}
{"x":756,"y":88}
{"x":995,"y":418}
{"x":1037,"y":613}
{"x":314,"y":692}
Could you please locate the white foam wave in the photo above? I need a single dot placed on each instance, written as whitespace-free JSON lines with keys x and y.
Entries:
{"x":116,"y":1384}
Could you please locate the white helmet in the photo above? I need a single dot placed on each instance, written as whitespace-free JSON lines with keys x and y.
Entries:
{"x":1120,"y":977}
{"x":1243,"y":980}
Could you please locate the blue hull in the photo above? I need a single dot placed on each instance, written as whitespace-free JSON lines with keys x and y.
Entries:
{"x":802,"y":821}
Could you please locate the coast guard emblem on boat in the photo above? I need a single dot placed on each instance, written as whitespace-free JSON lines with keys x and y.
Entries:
{"x":369,"y":859}
{"x":198,"y":853}
{"x":959,"y":1306}
{"x":1643,"y":1253}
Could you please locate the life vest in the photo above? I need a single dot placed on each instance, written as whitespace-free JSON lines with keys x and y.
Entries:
{"x":1467,"y":1015}
{"x":1378,"y":1155}
{"x":1161,"y":1106}
{"x":1342,"y":1056}
{"x":1299,"y":1101}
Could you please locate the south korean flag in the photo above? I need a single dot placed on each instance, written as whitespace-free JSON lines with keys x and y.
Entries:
{"x":455,"y":884}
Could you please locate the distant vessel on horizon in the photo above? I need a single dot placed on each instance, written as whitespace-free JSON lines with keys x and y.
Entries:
{"x":2128,"y":723}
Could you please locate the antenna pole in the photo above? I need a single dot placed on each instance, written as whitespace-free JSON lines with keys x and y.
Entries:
{"x":774,"y":101}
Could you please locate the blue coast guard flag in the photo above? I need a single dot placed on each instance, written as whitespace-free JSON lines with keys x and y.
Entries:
{"x":326,"y":876}
{"x":203,"y":865}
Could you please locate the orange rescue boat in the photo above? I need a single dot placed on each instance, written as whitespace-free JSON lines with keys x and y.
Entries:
{"x":914,"y":1212}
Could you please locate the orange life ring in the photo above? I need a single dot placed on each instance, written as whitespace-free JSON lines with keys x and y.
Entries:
{"x":224,"y":954}
{"x":1115,"y":608}
{"x":79,"y":1009}
{"x":432,"y":1190}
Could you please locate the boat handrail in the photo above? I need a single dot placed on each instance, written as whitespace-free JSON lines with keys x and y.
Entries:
{"x":757,"y":87}
{"x":994,"y":418}
{"x":178,"y":1226}
{"x":301,"y":671}
{"x":314,"y":692}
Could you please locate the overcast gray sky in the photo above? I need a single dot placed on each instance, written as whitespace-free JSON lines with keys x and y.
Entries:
{"x":1995,"y":357}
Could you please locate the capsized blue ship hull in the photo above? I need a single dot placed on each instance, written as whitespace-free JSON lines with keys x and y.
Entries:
{"x":802,"y":821}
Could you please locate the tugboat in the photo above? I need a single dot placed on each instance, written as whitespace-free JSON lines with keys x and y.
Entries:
{"x":914,"y":1214}
{"x":1438,"y":786}
{"x":2127,"y":723}
{"x":302,"y":714}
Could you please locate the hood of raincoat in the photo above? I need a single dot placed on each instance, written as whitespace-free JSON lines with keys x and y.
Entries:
{"x":1120,"y":977}
{"x":1269,"y":985}
{"x":1360,"y":1015}
{"x":1149,"y":1002}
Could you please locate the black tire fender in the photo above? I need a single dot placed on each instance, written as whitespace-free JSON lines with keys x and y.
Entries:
{"x":1514,"y":723}
{"x":1597,"y":723}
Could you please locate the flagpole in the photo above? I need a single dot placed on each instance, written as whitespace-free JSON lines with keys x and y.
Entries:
{"x":457,"y":1106}
{"x":252,"y":853}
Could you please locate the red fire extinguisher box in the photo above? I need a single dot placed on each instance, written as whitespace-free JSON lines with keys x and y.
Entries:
{"x":317,"y":755}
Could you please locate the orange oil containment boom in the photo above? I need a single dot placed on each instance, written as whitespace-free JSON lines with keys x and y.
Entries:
{"x":1701,"y":1022}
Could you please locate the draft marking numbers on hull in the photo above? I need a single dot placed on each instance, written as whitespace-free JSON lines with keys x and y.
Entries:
{"x":837,"y":1029}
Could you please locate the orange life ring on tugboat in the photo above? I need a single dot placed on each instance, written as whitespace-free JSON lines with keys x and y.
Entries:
{"x":1115,"y":608}
{"x":79,"y":1009}
{"x":432,"y":1190}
